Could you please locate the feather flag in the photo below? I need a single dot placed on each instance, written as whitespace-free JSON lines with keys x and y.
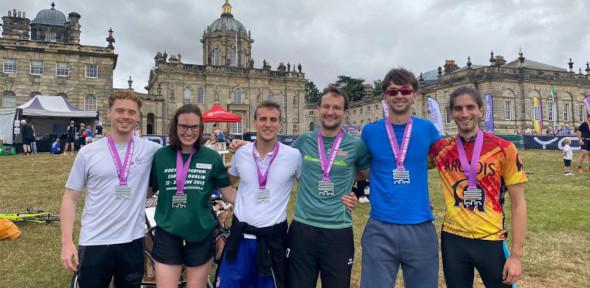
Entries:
{"x":489,"y":118}
{"x":435,"y":115}
{"x":538,"y":115}
{"x":587,"y":101}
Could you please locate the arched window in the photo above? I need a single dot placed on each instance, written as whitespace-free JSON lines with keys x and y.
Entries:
{"x":233,"y":59}
{"x":201,"y":96}
{"x":238,"y":96}
{"x":186,"y":99}
{"x":8,"y":99}
{"x":216,"y":56}
{"x":90,"y":103}
{"x":151,"y":124}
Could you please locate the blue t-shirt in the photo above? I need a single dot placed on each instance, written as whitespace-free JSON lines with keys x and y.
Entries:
{"x":400,"y":203}
{"x":55,"y":148}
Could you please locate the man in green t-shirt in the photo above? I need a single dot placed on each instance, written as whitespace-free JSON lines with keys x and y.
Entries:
{"x":320,"y":237}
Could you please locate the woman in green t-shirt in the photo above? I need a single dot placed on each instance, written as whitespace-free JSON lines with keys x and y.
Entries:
{"x":184,"y":173}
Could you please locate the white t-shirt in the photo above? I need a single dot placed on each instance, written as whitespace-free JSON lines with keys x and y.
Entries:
{"x":107,"y":219}
{"x":568,"y":152}
{"x":284,"y":169}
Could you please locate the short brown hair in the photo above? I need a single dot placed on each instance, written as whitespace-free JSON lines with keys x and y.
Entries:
{"x":268,"y":105}
{"x":334,"y":90}
{"x":124,"y":94}
{"x":173,"y":129}
{"x":400,"y":76}
{"x":465,"y":90}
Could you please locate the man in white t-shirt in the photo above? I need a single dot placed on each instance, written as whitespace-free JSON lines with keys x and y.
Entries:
{"x":115,"y":172}
{"x":254,"y":254}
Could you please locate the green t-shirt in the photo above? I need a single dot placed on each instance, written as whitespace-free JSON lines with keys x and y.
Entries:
{"x":327,"y":211}
{"x":206,"y":171}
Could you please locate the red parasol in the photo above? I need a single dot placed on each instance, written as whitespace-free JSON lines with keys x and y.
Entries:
{"x":218,"y":114}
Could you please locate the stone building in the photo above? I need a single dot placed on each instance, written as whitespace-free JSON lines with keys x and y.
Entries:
{"x":512,"y":84}
{"x":44,"y":56}
{"x":228,"y":77}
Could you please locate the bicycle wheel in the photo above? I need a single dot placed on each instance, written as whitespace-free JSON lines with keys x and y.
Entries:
{"x":74,"y":283}
{"x":46,"y":218}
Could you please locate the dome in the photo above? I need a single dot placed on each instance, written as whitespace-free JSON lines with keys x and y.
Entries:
{"x":50,"y":17}
{"x":227,"y":22}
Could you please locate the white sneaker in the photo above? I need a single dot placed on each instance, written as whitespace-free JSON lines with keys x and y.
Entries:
{"x":567,"y":174}
{"x":363,"y":199}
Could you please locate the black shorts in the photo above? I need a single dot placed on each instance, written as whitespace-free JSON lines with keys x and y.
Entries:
{"x":100,"y":263}
{"x":567,"y":162}
{"x":173,"y":250}
{"x":313,"y":250}
{"x":71,"y":139}
{"x":461,"y":255}
{"x":586,"y":145}
{"x":28,"y":141}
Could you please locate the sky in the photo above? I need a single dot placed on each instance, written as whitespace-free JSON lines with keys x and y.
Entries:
{"x":362,"y":39}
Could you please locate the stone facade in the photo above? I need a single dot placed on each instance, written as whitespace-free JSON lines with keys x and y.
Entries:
{"x":227,"y":77}
{"x":513,"y":85}
{"x":51,"y":65}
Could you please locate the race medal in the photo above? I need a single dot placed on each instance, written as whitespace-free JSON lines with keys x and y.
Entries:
{"x":179,"y":201}
{"x":326,"y":189}
{"x":473,"y":195}
{"x":123,"y":192}
{"x":262,"y":196}
{"x":326,"y":186}
{"x":401,"y":176}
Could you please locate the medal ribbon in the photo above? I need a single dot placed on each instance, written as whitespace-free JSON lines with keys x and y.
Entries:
{"x":470,"y":169}
{"x":122,"y":168}
{"x":262,"y":178}
{"x":182,"y":171}
{"x":326,"y":165}
{"x":400,"y":155}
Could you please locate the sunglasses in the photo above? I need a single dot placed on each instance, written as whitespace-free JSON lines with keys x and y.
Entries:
{"x":404,"y":90}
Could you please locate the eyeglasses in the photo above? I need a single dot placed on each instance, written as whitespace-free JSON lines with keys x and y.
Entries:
{"x":404,"y":90}
{"x":184,"y":128}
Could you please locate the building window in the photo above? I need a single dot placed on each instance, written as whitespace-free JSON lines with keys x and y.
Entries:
{"x":216,"y":56}
{"x":90,"y":103}
{"x":50,"y":37}
{"x":566,"y":112}
{"x":269,"y":96}
{"x":62,"y":69}
{"x":311,"y":113}
{"x":186,"y":99}
{"x":581,"y":113}
{"x":91,"y":71}
{"x":9,"y":66}
{"x":233,"y":60}
{"x":200,"y":96}
{"x":8,"y":99}
{"x":238,"y":96}
{"x":236,"y":128}
{"x":282,"y":102}
{"x":550,"y":111}
{"x":507,"y":110}
{"x":447,"y":115}
{"x":36,"y":67}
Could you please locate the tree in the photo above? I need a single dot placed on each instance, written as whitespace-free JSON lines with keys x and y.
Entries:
{"x":312,"y":94}
{"x":377,"y":87}
{"x":352,"y":87}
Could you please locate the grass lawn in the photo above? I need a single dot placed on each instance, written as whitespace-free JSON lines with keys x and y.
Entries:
{"x":557,"y":249}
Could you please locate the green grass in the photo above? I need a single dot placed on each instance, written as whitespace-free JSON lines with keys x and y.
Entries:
{"x":557,"y":246}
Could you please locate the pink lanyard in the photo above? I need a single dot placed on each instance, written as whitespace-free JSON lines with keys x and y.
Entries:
{"x":327,"y":164}
{"x":400,"y":156}
{"x":122,"y":168}
{"x":182,"y":171}
{"x":262,"y":178}
{"x":470,"y":169}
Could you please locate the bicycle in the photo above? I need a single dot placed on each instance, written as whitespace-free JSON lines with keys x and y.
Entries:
{"x":38,"y":216}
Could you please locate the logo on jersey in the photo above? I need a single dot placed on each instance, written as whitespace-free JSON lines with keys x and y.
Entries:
{"x":471,"y":199}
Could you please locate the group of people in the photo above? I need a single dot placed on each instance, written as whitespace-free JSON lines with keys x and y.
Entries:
{"x":395,"y":153}
{"x":81,"y":135}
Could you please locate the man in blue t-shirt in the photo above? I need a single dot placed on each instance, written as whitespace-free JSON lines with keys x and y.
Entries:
{"x":400,"y":229}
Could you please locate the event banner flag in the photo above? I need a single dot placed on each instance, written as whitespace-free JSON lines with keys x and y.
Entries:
{"x":489,"y":119}
{"x":553,"y":105}
{"x":435,"y":115}
{"x":587,"y":101}
{"x":538,"y":115}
